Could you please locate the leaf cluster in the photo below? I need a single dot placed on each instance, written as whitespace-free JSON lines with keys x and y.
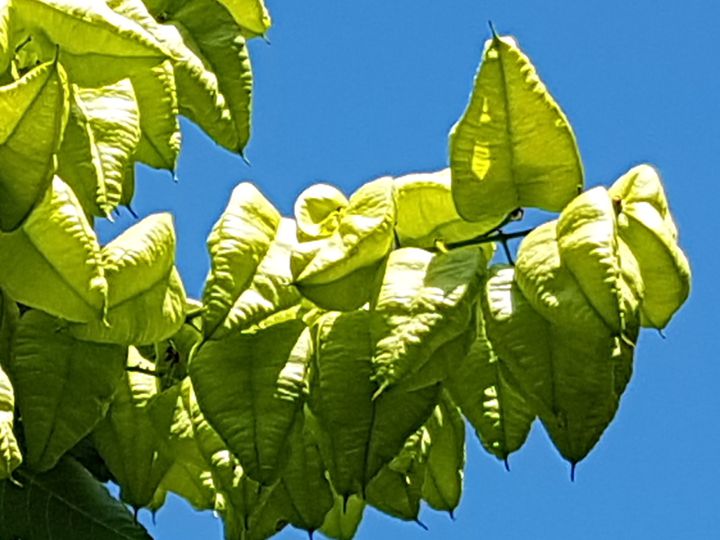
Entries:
{"x":335,"y":355}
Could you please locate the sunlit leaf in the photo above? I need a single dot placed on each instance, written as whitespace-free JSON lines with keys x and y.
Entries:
{"x":425,"y":300}
{"x":66,"y":503}
{"x":318,"y":210}
{"x":34,"y":110}
{"x":10,"y":456}
{"x":102,"y":134}
{"x":146,"y":298}
{"x":513,"y":146}
{"x":237,"y":244}
{"x":342,"y":522}
{"x":250,"y":14}
{"x":426,"y":211}
{"x":363,"y":236}
{"x":64,"y":386}
{"x":646,"y":226}
{"x":53,"y":262}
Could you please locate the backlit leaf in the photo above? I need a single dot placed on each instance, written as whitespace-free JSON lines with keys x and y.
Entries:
{"x":146,"y":298}
{"x":513,"y":146}
{"x":425,"y":300}
{"x":342,"y":522}
{"x":10,"y":456}
{"x":34,"y":110}
{"x":250,"y":14}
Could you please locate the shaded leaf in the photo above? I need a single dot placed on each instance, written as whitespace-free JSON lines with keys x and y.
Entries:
{"x":445,"y":462}
{"x":53,"y":262}
{"x":342,"y":522}
{"x":249,"y":387}
{"x":64,"y":386}
{"x":127,"y":438}
{"x":34,"y":110}
{"x":513,"y":146}
{"x":67,"y":503}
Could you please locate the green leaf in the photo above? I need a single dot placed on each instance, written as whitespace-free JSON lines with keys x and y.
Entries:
{"x":102,"y":134}
{"x":85,"y":28}
{"x":343,"y":519}
{"x":238,"y":242}
{"x":426,"y":213}
{"x":304,"y":479}
{"x":215,"y":92}
{"x":6,"y":38}
{"x":132,"y":437}
{"x":250,"y":14}
{"x":513,"y":146}
{"x":589,"y":248}
{"x":66,"y":503}
{"x":53,"y":262}
{"x":270,"y":290}
{"x":34,"y":110}
{"x":425,"y":300}
{"x":10,"y":456}
{"x":586,"y":364}
{"x":445,"y":461}
{"x":146,"y":298}
{"x":358,"y":434}
{"x":481,"y":385}
{"x":364,"y":235}
{"x":318,"y":210}
{"x":396,"y":490}
{"x":64,"y":386}
{"x":249,"y":386}
{"x":646,"y":226}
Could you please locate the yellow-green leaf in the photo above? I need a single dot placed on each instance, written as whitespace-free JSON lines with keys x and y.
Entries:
{"x":250,"y":14}
{"x":146,"y":298}
{"x":10,"y":456}
{"x":100,"y":140}
{"x":318,"y":210}
{"x":249,"y":387}
{"x":54,"y":262}
{"x":426,"y":213}
{"x":127,"y":438}
{"x":364,"y":235}
{"x":425,"y":300}
{"x":237,"y":244}
{"x":513,"y":146}
{"x":34,"y":110}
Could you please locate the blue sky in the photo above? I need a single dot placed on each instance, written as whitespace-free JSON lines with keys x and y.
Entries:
{"x":349,"y":91}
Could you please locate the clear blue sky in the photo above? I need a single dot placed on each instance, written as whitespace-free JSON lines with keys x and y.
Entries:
{"x":348,"y":91}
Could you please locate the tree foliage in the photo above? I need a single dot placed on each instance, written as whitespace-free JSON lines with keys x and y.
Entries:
{"x":335,"y":354}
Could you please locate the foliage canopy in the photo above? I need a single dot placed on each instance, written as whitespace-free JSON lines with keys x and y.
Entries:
{"x":335,"y":355}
